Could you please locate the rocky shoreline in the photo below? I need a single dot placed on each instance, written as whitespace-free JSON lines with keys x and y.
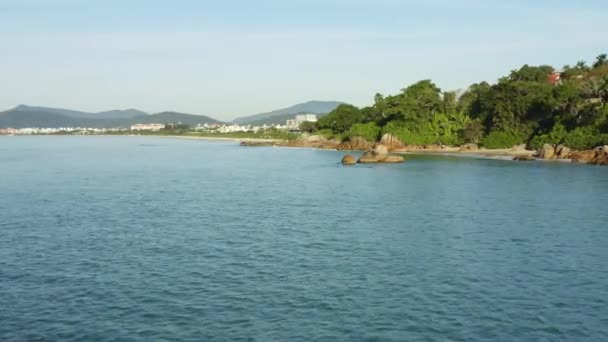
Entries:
{"x":385,"y":150}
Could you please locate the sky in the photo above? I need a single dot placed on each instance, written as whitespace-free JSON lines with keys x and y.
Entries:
{"x":236,"y":57}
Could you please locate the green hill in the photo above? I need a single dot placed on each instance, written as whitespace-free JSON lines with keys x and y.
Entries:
{"x":26,"y":116}
{"x":316,"y":107}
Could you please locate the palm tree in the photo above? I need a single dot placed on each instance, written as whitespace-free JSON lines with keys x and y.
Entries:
{"x":582,"y":65}
{"x":600,"y":60}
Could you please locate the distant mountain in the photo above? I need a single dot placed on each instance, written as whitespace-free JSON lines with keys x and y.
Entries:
{"x":317,"y":107}
{"x":28,"y":116}
{"x":278,"y":119}
{"x":111,"y":114}
{"x":169,"y":117}
{"x":120,"y":113}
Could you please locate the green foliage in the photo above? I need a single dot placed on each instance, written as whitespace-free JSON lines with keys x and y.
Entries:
{"x":329,"y":134}
{"x":370,"y":131}
{"x":502,"y":139}
{"x":531,"y":73}
{"x":522,"y":107}
{"x":308,"y":127}
{"x":554,"y":137}
{"x":419,"y":101}
{"x":441,"y":129}
{"x":473,"y":132}
{"x":411,"y":133}
{"x":584,"y":138}
{"x":340,"y":119}
{"x":601,"y":60}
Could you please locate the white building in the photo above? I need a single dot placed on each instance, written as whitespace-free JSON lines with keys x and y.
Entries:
{"x":147,"y":127}
{"x":233,"y":128}
{"x":306,"y":117}
{"x":294,"y":124}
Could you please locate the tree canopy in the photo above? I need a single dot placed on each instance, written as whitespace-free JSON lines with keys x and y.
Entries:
{"x":529,"y":105}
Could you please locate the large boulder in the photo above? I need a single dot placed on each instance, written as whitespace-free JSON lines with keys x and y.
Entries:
{"x":378,"y":155}
{"x":582,"y":156}
{"x":393,"y":159}
{"x":349,"y":160}
{"x":380,"y":149}
{"x":602,"y":148}
{"x":391,"y":142}
{"x":547,"y":152}
{"x":601,"y":156}
{"x":368,"y":157}
{"x":597,"y":156}
{"x":562,"y":151}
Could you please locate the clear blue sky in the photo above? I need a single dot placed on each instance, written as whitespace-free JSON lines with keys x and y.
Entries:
{"x":228,"y":58}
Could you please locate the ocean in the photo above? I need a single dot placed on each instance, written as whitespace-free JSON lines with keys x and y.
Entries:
{"x":152,"y":239}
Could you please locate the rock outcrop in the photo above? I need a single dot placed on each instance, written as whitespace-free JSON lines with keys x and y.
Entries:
{"x":380,"y":149}
{"x":257,"y":143}
{"x":315,"y":141}
{"x":547,"y":152}
{"x":597,"y":156}
{"x":368,"y":157}
{"x":349,"y":160}
{"x":582,"y":156}
{"x":392,"y":159}
{"x":524,"y":157}
{"x":391,"y":142}
{"x":562,"y":151}
{"x":355,"y":143}
{"x":601,"y":156}
{"x":379,"y":155}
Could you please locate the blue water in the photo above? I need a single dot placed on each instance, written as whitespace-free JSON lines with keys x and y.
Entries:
{"x":142,"y":238}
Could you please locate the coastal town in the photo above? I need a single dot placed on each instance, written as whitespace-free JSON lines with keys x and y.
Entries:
{"x":291,"y":125}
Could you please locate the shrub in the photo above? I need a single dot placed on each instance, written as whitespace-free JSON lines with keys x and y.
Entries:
{"x":410,"y":133}
{"x":554,"y":137}
{"x":501,"y":139}
{"x":329,"y":134}
{"x":584,"y":138}
{"x":370,"y":131}
{"x":443,"y":129}
{"x":473,"y":132}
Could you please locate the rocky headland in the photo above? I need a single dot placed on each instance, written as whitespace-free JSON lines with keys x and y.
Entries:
{"x":385,"y":149}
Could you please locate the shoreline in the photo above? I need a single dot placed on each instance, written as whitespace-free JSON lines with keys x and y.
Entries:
{"x":273,"y":142}
{"x":254,"y":140}
{"x":495,"y":154}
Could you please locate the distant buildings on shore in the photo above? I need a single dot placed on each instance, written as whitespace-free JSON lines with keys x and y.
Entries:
{"x":299,"y":119}
{"x":555,"y":78}
{"x":147,"y":127}
{"x":70,"y":130}
{"x":290,"y":125}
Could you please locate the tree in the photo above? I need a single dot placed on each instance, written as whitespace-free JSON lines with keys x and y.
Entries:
{"x":582,"y":66}
{"x":601,"y":60}
{"x":340,"y":119}
{"x":379,"y":105}
{"x":449,"y":101}
{"x":419,"y":101}
{"x":531,"y":73}
{"x":473,"y":132}
{"x":308,"y":126}
{"x":474,"y":101}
